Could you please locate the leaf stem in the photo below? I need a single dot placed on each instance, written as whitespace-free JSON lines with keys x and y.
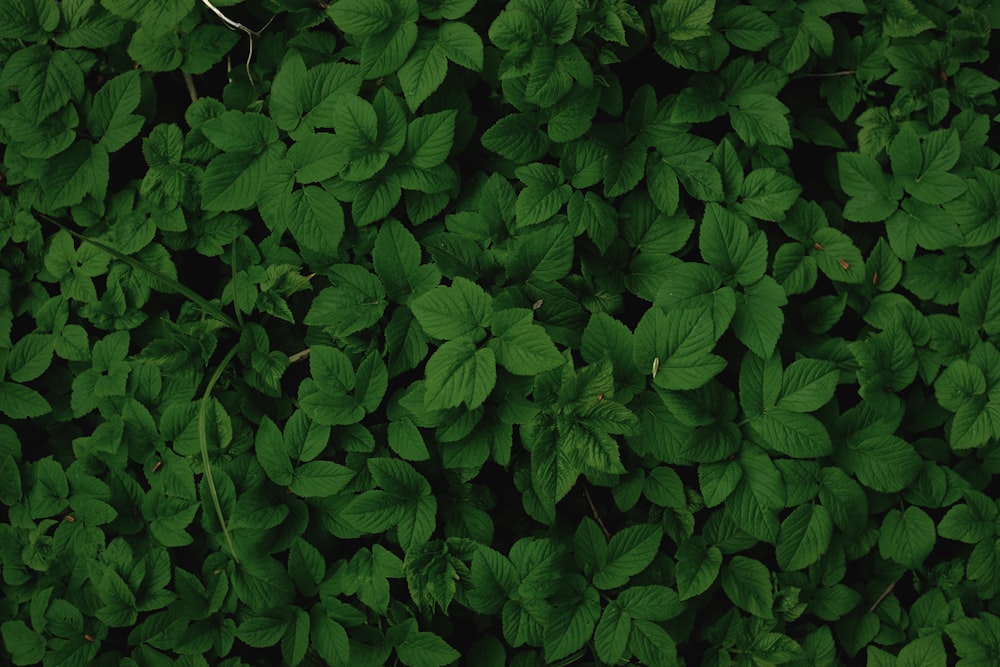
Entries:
{"x":189,"y":83}
{"x":139,"y":265}
{"x":203,"y":444}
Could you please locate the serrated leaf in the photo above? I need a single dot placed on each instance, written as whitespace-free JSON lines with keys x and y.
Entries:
{"x":458,"y":373}
{"x":426,"y":649}
{"x":630,"y":551}
{"x":747,"y":583}
{"x":884,"y":463}
{"x":677,"y":349}
{"x":792,"y":433}
{"x":111,"y":116}
{"x":569,"y":626}
{"x":520,"y":345}
{"x":804,"y":537}
{"x":767,"y":193}
{"x":424,"y":71}
{"x":461,"y":44}
{"x":319,"y":479}
{"x":463,"y":309}
{"x":907,"y":537}
{"x":808,"y":384}
{"x":698,"y":566}
{"x":429,"y":139}
{"x":759,"y":319}
{"x":761,"y":118}
{"x":271,"y":453}
{"x":611,"y":634}
{"x":972,"y":522}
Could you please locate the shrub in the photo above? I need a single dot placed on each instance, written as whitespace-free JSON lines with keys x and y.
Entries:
{"x":547,"y":332}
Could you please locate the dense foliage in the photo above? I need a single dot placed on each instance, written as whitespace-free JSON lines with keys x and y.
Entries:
{"x":546,"y":332}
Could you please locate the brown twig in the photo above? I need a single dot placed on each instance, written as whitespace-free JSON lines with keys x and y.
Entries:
{"x":597,"y":517}
{"x":885,"y":594}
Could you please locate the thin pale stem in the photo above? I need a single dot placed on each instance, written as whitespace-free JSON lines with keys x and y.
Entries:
{"x":189,"y":83}
{"x":203,"y":443}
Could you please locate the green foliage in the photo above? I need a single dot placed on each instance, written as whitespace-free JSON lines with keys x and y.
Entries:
{"x":540,"y":332}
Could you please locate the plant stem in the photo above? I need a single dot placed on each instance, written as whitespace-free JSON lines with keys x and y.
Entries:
{"x":203,"y":443}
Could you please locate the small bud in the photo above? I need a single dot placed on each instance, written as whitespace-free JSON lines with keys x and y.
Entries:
{"x":656,"y":366}
{"x":817,"y":245}
{"x":843,"y":264}
{"x":875,"y":278}
{"x":70,"y":518}
{"x":538,"y":304}
{"x":157,"y":466}
{"x":600,"y":396}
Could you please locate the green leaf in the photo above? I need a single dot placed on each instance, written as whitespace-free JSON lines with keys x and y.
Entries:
{"x":923,"y":652}
{"x":520,"y":345}
{"x":611,"y":634}
{"x":429,"y":139}
{"x":263,"y":583}
{"x":759,"y":319}
{"x":463,"y":309}
{"x":972,"y":522}
{"x":111,"y":116}
{"x":884,"y":463}
{"x":678,"y":348}
{"x":517,"y":137}
{"x":28,"y":20}
{"x":30,"y":357}
{"x":362,"y":18}
{"x":271,"y":453}
{"x":426,"y":649}
{"x":844,"y":499}
{"x":651,"y":644}
{"x":544,"y":195}
{"x":396,"y":258}
{"x":45,"y":79}
{"x":461,"y":44}
{"x":837,"y":256}
{"x":664,"y":487}
{"x":80,"y":170}
{"x":405,"y":439}
{"x":797,"y":435}
{"x":20,"y":402}
{"x":630,"y":551}
{"x":319,"y":479}
{"x":26,"y":646}
{"x":355,"y":302}
{"x":907,"y":537}
{"x":749,"y":28}
{"x":459,"y":372}
{"x":902,"y":19}
{"x":233,"y":180}
{"x":808,"y":384}
{"x":767,"y":193}
{"x":804,"y":537}
{"x":698,"y":565}
{"x":747,"y":583}
{"x":260,"y":631}
{"x":979,"y":305}
{"x":424,"y":71}
{"x":651,"y":603}
{"x":761,"y":118}
{"x":873,"y":197}
{"x":570,"y":625}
